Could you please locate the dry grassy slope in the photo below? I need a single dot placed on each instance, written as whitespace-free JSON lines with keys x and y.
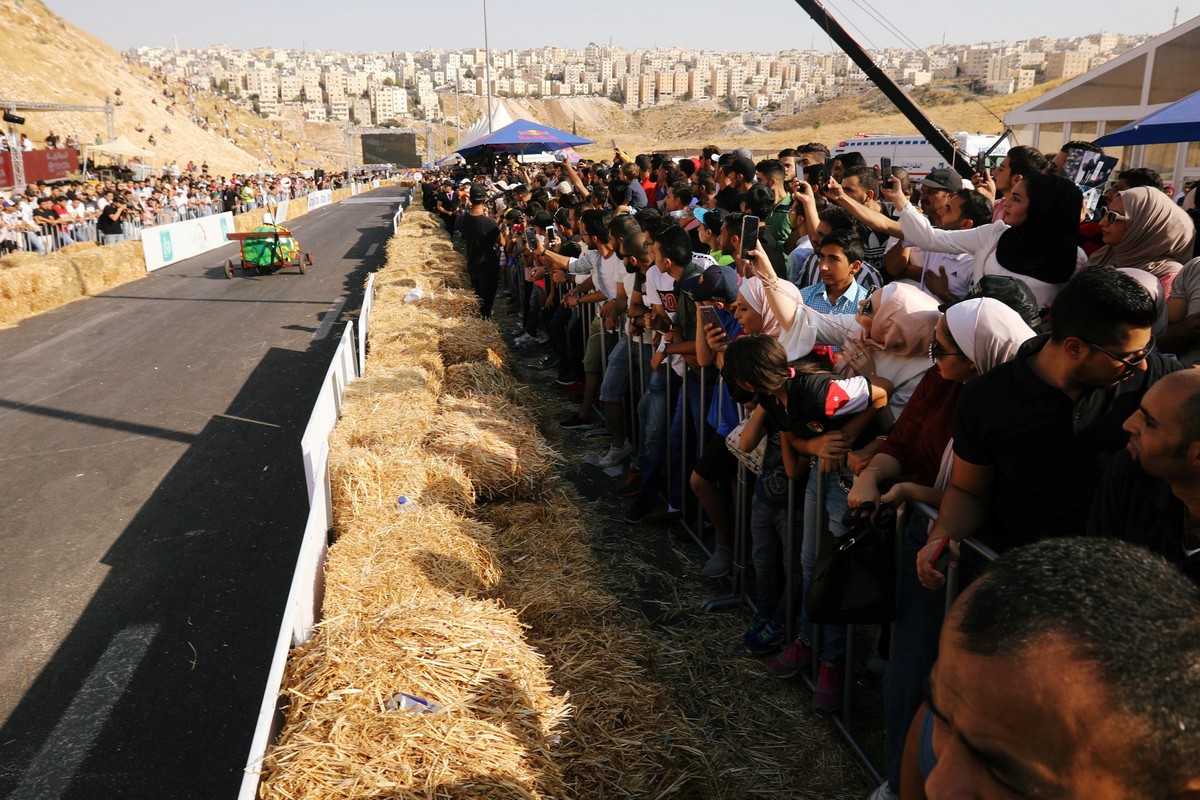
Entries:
{"x":690,"y":126}
{"x":45,"y":59}
{"x":49,"y":60}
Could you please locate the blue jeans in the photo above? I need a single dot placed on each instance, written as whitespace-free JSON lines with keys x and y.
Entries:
{"x":533,"y":311}
{"x":616,"y":372}
{"x":914,"y":647}
{"x":652,"y":416}
{"x":768,"y":532}
{"x":681,"y":461}
{"x":833,"y":644}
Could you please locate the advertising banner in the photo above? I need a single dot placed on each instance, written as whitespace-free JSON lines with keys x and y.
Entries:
{"x":166,"y":244}
{"x":41,"y":165}
{"x":320,"y":199}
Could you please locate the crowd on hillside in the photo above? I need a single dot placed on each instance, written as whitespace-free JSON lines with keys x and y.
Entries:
{"x":989,"y":348}
{"x":44,"y":217}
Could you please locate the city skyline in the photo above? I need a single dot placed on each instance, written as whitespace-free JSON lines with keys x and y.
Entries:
{"x":369,"y":25}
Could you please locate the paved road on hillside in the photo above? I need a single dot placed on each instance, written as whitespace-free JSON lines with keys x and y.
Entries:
{"x":151,"y":509}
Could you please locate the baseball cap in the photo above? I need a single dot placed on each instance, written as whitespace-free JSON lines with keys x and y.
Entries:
{"x":712,"y":219}
{"x":717,"y":283}
{"x":943,"y":178}
{"x":564,"y":187}
{"x":478,"y":194}
{"x":743,"y":167}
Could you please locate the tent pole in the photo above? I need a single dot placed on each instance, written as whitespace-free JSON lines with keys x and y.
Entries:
{"x":487,"y":66}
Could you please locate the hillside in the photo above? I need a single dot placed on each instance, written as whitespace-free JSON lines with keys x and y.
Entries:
{"x":48,"y":60}
{"x":690,"y":126}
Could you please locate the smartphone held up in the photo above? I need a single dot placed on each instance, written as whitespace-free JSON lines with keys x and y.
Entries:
{"x":750,"y":225}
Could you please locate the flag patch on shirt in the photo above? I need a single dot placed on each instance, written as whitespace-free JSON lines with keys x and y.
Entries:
{"x":847,"y":396}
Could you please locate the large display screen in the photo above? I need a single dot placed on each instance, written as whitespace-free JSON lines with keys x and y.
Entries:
{"x":391,"y":148}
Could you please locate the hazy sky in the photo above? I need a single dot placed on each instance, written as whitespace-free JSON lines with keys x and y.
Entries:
{"x":770,"y":25}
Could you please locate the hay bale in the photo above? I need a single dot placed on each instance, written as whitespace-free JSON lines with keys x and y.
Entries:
{"x":78,"y":247}
{"x":367,"y":480}
{"x":500,"y":451}
{"x":383,"y":420}
{"x":456,"y":305}
{"x":36,"y":287}
{"x":384,"y":557}
{"x":549,"y":570}
{"x":481,"y":378}
{"x":20,"y":258}
{"x":467,"y":340}
{"x":101,"y":268}
{"x":493,"y":738}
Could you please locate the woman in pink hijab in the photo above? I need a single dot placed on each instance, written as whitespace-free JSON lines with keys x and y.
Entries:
{"x":1143,"y":229}
{"x":897,"y":324}
{"x":888,"y":337}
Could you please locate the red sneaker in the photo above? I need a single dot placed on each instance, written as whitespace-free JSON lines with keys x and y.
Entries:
{"x":828,"y":696}
{"x":790,"y":659}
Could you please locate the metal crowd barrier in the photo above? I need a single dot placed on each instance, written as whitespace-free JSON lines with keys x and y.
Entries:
{"x":738,"y":580}
{"x":678,"y":476}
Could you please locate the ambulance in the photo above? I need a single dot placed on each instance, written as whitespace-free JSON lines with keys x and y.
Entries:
{"x":916,"y":154}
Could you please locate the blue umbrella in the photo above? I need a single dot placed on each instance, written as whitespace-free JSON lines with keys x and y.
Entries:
{"x":524,"y":136}
{"x":1178,"y":122}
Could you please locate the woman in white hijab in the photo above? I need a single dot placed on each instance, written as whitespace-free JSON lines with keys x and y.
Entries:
{"x":1155,"y":288}
{"x":973,"y":337}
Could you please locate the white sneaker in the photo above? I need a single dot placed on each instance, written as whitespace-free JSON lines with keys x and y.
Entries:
{"x":522,"y":340}
{"x":884,"y":792}
{"x":719,"y":564}
{"x":616,"y":455}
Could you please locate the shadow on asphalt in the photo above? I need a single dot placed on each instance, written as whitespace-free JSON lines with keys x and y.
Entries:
{"x":206,"y":565}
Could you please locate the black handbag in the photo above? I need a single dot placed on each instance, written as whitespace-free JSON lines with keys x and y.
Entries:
{"x":854,"y":582}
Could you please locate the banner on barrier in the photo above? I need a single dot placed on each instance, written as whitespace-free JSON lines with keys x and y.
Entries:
{"x":320,"y":199}
{"x":166,"y":244}
{"x":281,"y":211}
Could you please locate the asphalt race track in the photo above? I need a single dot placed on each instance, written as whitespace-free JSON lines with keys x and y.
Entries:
{"x":152,"y":508}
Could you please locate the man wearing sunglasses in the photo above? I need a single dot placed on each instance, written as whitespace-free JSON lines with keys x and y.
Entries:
{"x":1032,"y":436}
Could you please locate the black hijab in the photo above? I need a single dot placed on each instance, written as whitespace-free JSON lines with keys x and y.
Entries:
{"x":1044,"y":246}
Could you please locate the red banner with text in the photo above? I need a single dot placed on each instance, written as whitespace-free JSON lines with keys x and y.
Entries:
{"x":41,"y":165}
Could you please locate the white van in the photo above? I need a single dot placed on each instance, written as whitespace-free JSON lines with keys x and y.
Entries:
{"x":915,"y":153}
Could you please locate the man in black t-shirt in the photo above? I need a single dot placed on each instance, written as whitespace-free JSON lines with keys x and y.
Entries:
{"x":111,"y":221}
{"x":480,"y":236}
{"x":1032,"y":436}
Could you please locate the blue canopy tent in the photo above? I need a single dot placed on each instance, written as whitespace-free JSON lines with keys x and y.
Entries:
{"x":523,"y":136}
{"x":1178,"y":122}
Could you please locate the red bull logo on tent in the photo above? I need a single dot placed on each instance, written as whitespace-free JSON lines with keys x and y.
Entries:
{"x":536,"y":135}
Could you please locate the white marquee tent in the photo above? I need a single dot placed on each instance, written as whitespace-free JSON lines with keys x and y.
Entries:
{"x":480,"y":129}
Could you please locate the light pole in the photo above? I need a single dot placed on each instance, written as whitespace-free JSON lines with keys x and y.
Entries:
{"x":487,"y":66}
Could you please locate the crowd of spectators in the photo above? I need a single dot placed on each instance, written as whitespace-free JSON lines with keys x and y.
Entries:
{"x":46,"y":216}
{"x":986,"y":348}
